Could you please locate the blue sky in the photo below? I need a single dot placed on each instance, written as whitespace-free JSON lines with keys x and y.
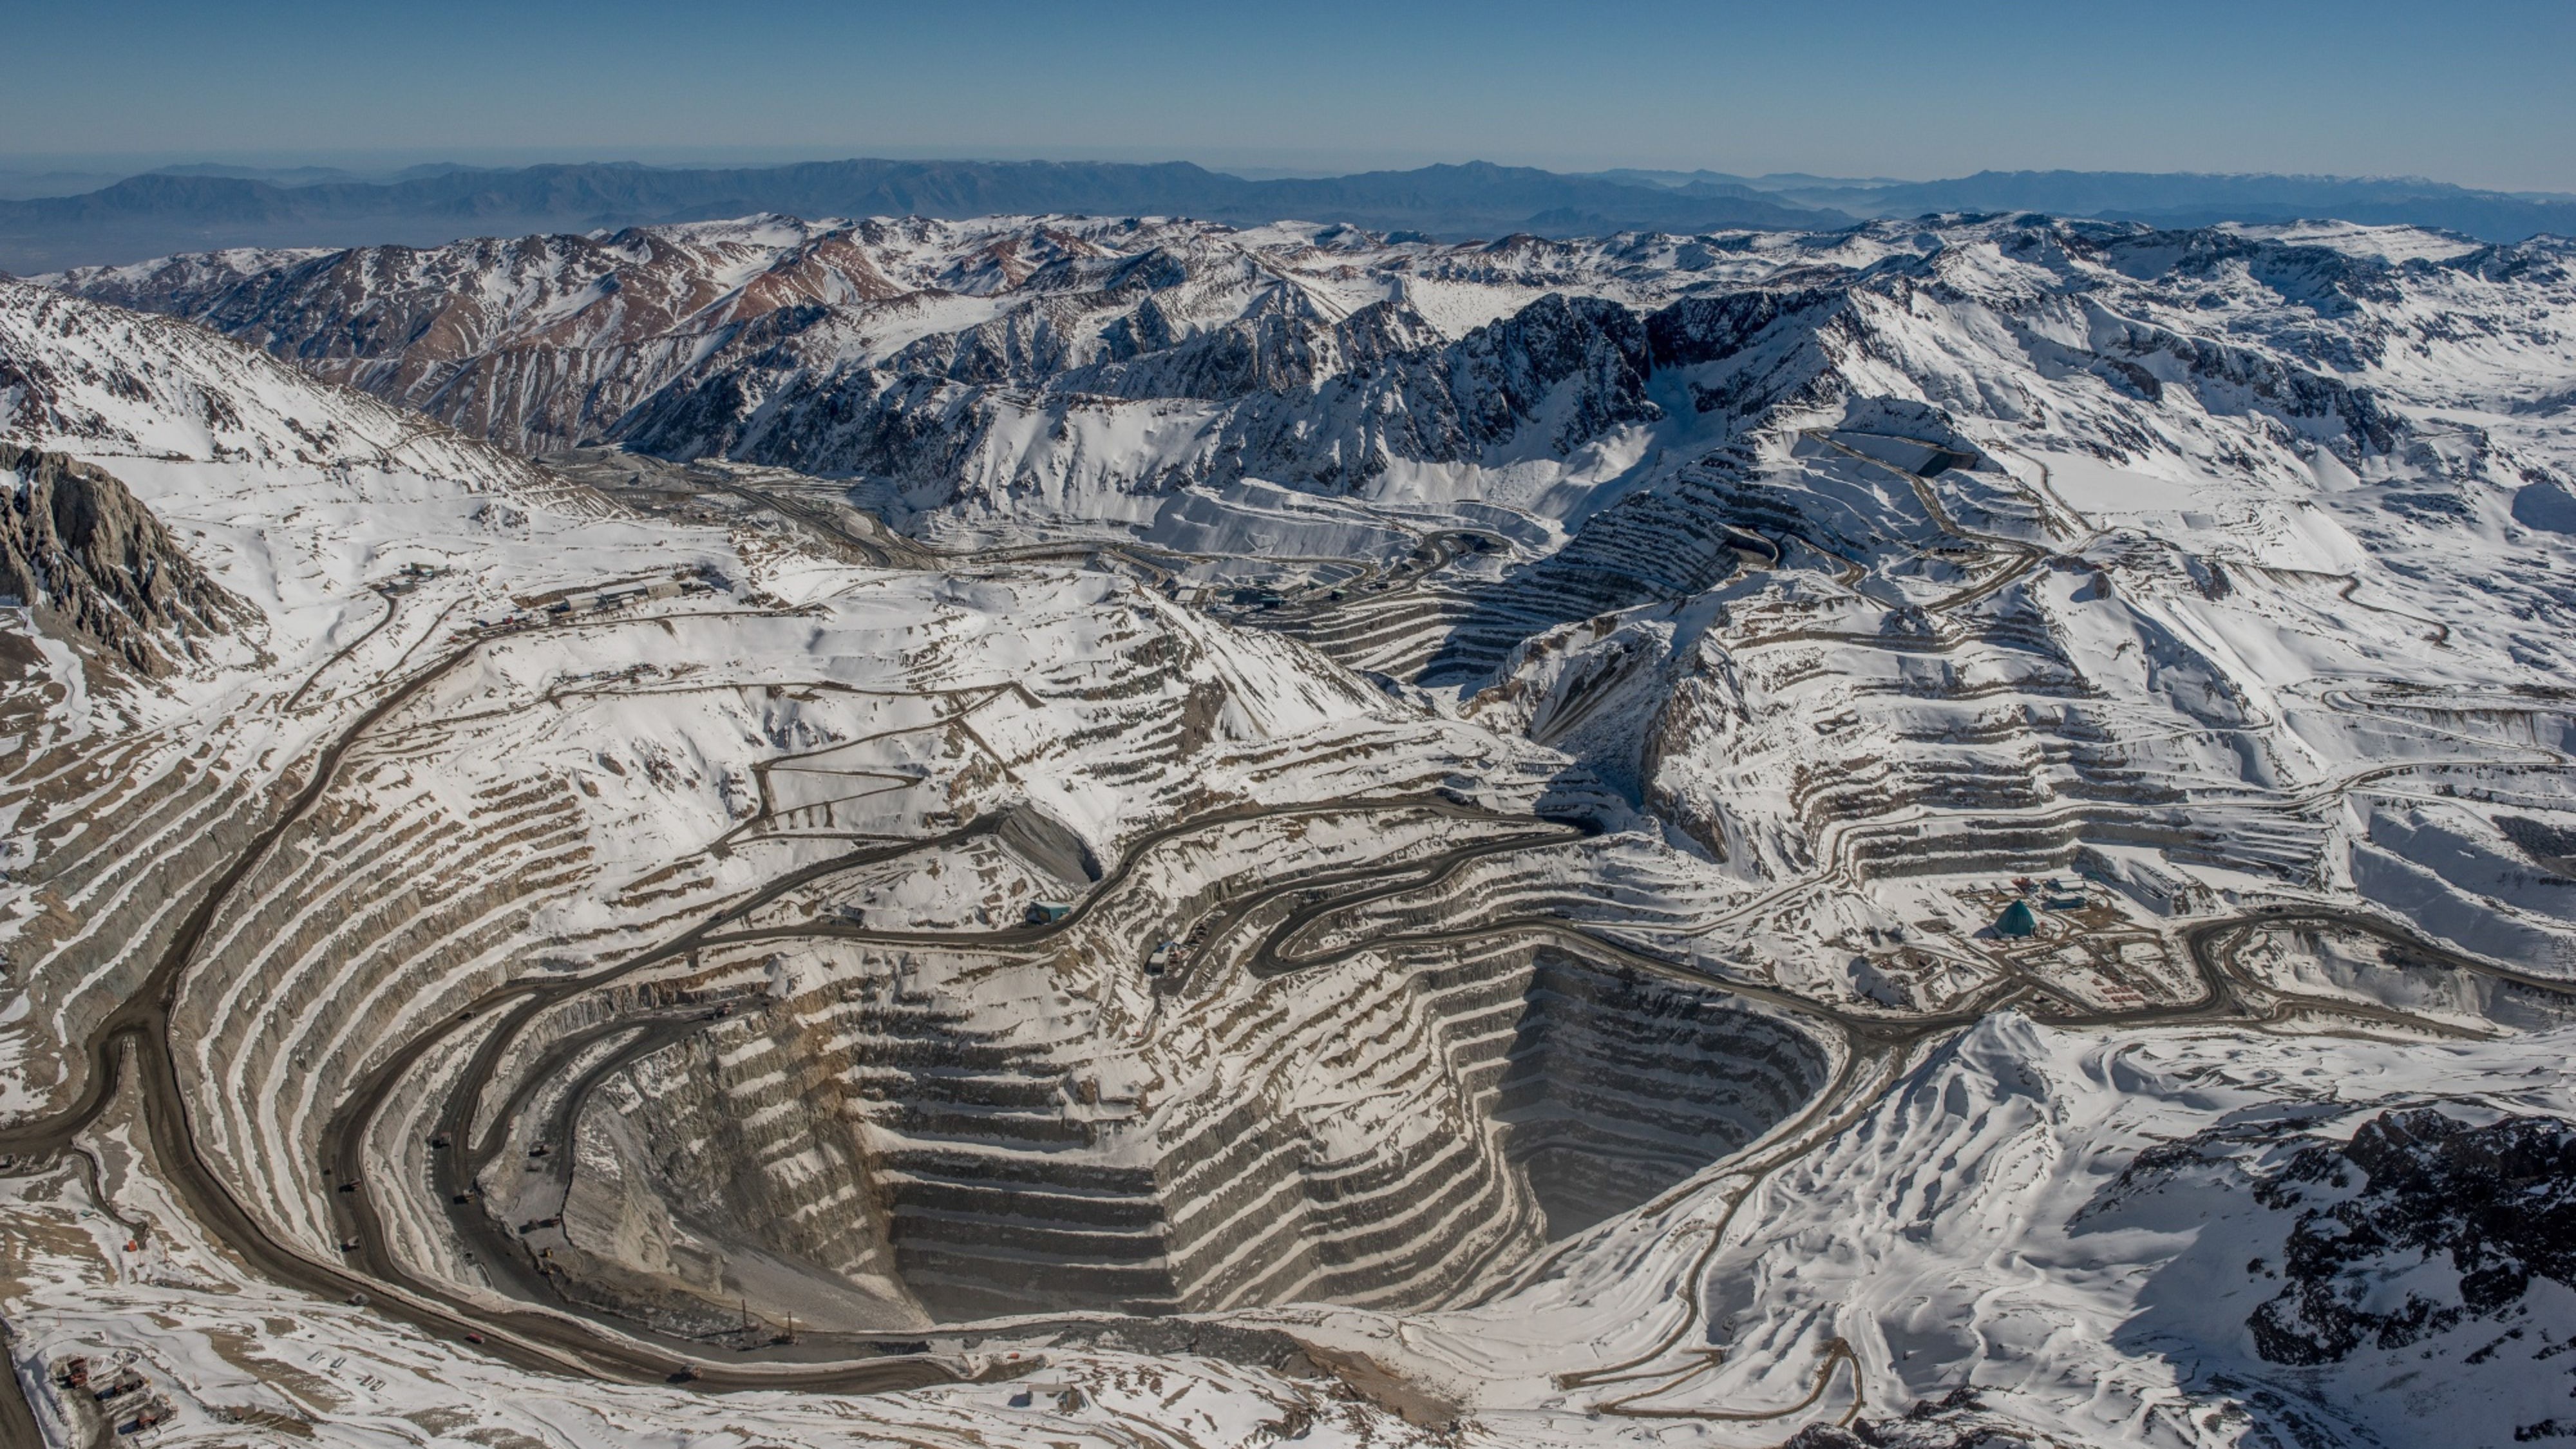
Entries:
{"x":2475,"y":91}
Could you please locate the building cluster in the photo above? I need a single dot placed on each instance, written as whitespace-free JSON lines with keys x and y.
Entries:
{"x":120,"y":1392}
{"x":410,"y":577}
{"x":560,"y":607}
{"x":2054,"y":893}
{"x":600,"y":601}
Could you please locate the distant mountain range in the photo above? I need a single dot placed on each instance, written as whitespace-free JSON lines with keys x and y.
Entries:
{"x":2187,"y":200}
{"x":162,"y":212}
{"x":193,"y":208}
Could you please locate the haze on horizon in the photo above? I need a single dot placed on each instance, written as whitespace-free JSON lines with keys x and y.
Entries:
{"x":2471,"y":93}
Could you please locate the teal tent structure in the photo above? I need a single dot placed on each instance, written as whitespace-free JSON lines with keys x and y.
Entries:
{"x":2016,"y":920}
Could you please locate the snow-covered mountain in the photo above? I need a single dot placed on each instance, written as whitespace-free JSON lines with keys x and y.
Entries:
{"x":1086,"y":370}
{"x":2101,"y":486}
{"x":1948,"y":833}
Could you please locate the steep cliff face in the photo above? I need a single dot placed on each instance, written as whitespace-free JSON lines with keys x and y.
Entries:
{"x":91,"y":560}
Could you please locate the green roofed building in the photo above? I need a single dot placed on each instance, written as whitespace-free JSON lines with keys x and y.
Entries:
{"x":2016,"y":920}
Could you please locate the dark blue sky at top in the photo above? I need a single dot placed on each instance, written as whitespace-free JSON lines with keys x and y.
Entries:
{"x":2473,"y":91}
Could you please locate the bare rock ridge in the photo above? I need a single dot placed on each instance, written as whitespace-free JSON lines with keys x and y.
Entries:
{"x":80,"y":551}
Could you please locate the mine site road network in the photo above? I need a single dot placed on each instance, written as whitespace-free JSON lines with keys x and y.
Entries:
{"x":545,"y":1340}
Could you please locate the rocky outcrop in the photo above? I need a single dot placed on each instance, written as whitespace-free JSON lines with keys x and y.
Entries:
{"x":2498,"y":1202}
{"x":90,"y":560}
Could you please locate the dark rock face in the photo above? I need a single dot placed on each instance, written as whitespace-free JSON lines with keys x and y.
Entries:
{"x":2545,"y":505}
{"x":2498,"y":1203}
{"x":1956,"y":1420}
{"x":82,"y":552}
{"x":2550,"y":847}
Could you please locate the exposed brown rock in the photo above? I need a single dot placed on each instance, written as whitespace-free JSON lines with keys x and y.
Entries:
{"x":90,"y":560}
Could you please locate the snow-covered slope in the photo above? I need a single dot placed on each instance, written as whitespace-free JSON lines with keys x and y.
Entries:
{"x":113,"y":383}
{"x":2160,"y":1238}
{"x":294,"y":509}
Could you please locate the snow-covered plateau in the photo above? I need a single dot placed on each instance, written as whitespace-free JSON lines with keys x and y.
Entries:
{"x":1061,"y":831}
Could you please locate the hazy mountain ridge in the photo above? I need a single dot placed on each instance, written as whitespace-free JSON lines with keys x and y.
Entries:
{"x":188,"y":208}
{"x":2190,"y":199}
{"x":161,"y":212}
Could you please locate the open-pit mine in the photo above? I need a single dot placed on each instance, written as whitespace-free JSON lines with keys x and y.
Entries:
{"x":1054,"y":831}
